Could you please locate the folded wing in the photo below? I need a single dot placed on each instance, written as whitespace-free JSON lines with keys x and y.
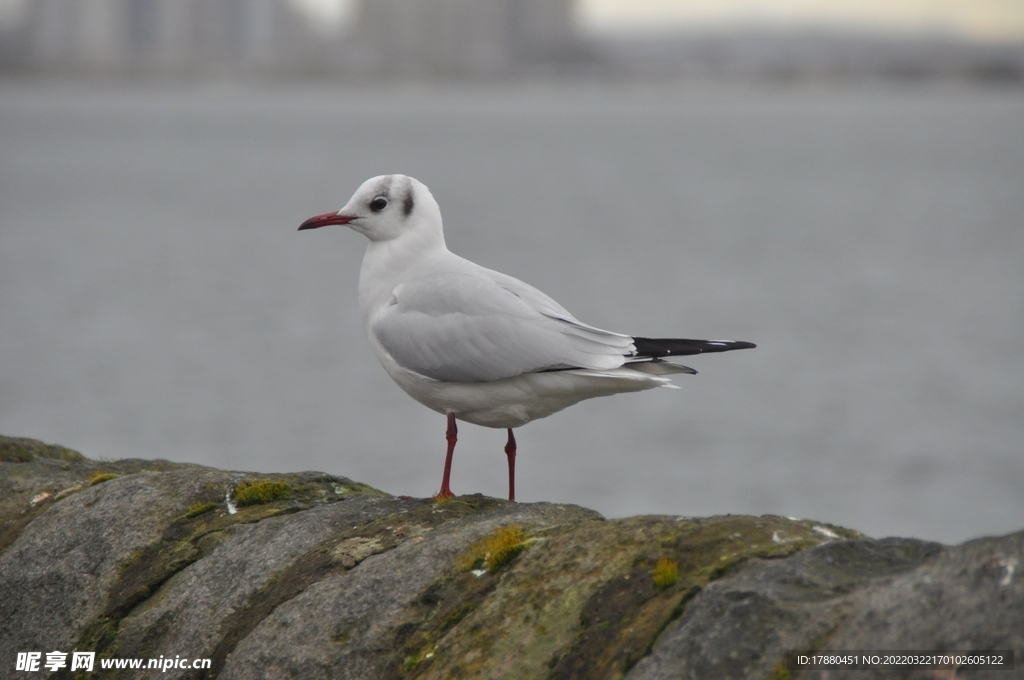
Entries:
{"x":476,"y":327}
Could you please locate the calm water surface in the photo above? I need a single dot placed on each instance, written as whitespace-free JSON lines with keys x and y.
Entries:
{"x":157,"y":301}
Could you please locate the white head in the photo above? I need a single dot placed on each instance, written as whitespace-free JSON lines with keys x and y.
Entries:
{"x":386,"y":208}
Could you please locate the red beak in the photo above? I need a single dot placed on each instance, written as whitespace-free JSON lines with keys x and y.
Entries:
{"x":325,"y":219}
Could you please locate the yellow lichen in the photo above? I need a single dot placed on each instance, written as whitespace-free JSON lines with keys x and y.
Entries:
{"x":99,"y":477}
{"x":494,"y":551}
{"x":780,"y":672}
{"x":261,"y":491}
{"x":665,"y":574}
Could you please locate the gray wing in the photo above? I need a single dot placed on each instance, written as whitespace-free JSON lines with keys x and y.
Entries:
{"x":480,"y":326}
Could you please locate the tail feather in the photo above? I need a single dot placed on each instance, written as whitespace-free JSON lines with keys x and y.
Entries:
{"x":665,"y":347}
{"x":659,"y":367}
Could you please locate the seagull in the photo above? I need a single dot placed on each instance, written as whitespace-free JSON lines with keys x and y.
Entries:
{"x":476,"y":345}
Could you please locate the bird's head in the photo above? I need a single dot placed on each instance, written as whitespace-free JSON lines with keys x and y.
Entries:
{"x":385,"y":208}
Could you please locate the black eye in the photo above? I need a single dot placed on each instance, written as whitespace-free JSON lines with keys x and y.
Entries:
{"x":378,"y":204}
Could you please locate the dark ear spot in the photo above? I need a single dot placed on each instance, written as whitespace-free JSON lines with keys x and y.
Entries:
{"x":408,"y":203}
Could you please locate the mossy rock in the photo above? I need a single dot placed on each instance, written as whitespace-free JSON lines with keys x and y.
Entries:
{"x":23,"y":450}
{"x":326,"y":577}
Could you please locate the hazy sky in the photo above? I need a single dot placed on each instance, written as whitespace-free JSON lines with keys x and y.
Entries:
{"x":987,"y":20}
{"x":997,"y":20}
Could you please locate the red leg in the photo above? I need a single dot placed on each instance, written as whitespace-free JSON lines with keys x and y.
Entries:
{"x":452,"y":436}
{"x":510,"y":451}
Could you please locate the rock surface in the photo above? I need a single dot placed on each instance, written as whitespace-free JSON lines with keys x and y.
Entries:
{"x":313,"y":576}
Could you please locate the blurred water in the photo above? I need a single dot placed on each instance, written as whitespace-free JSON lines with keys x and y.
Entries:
{"x":157,"y":301}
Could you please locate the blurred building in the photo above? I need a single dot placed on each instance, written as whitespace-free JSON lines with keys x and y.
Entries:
{"x":121,"y":36}
{"x":462,"y":36}
{"x":493,"y":38}
{"x":436,"y":37}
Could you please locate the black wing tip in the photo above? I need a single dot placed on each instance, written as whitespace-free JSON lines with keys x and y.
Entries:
{"x":666,"y":347}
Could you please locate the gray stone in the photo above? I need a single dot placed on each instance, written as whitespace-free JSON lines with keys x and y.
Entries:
{"x":345,"y":625}
{"x":196,"y":608}
{"x":307,"y":575}
{"x":971,"y":597}
{"x":742,"y":625}
{"x":56,"y":577}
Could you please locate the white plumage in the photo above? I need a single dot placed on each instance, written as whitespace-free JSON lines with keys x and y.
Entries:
{"x":472,"y":343}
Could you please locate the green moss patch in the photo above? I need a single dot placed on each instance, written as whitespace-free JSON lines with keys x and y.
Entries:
{"x":199,"y":508}
{"x":261,"y":491}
